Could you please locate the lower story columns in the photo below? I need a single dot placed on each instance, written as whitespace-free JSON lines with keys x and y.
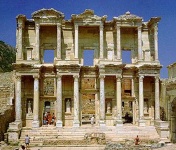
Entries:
{"x":35,"y":123}
{"x":76,"y":122}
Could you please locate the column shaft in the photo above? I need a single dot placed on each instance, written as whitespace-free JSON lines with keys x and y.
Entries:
{"x":76,"y":41}
{"x":37,"y":30}
{"x":101,"y":42}
{"x":18,"y":108}
{"x":102,"y":101}
{"x":76,"y":122}
{"x":58,"y":41}
{"x":59,"y":101}
{"x":157,"y":104}
{"x":118,"y":43}
{"x":141,"y":98}
{"x":20,"y":41}
{"x":156,"y":42}
{"x":35,"y":122}
{"x":139,"y":44}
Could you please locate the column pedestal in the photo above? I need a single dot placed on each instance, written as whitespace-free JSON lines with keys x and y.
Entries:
{"x":35,"y":124}
{"x":59,"y":124}
{"x":141,"y":123}
{"x":119,"y":123}
{"x":102,"y":123}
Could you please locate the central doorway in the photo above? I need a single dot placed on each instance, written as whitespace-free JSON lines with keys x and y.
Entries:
{"x":88,"y":108}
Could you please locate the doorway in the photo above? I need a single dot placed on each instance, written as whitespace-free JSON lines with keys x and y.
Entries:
{"x":88,"y":108}
{"x":127,"y":111}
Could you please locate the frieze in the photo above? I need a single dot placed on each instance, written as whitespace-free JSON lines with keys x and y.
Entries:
{"x":49,"y":86}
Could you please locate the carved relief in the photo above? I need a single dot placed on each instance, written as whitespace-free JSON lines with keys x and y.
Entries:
{"x":49,"y":86}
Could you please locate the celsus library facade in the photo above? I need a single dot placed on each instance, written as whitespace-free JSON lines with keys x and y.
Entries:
{"x":106,"y":69}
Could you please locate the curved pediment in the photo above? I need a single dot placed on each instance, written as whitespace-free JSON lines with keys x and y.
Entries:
{"x":47,"y":13}
{"x":88,"y":14}
{"x":128,"y":17}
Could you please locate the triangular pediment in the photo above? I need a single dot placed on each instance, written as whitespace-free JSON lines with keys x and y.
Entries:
{"x":47,"y":13}
{"x":88,"y":14}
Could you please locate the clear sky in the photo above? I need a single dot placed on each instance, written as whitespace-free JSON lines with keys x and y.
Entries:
{"x":166,"y":9}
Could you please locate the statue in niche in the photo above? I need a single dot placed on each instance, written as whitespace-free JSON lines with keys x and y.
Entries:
{"x":145,"y":108}
{"x":29,"y":108}
{"x":68,"y":106}
{"x":108,"y":108}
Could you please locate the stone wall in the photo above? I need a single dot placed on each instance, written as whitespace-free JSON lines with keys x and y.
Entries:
{"x":7,"y":112}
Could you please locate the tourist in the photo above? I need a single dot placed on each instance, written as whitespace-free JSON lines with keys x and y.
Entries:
{"x":23,"y":147}
{"x":53,"y":119}
{"x":27,"y":141}
{"x":92,"y":120}
{"x":137,"y":140}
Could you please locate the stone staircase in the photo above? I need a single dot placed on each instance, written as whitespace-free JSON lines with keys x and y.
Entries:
{"x":52,"y":136}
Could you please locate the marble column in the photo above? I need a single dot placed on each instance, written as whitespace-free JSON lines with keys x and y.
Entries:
{"x":133,"y":95}
{"x":141,"y":102}
{"x":76,"y":122}
{"x":58,"y":41}
{"x":18,"y":111}
{"x":76,"y":41}
{"x":59,"y":122}
{"x":140,"y":57}
{"x":35,"y":123}
{"x":20,"y":41}
{"x":37,"y":42}
{"x":101,"y":42}
{"x":119,"y":101}
{"x":118,"y":43}
{"x":102,"y":101}
{"x":156,"y":42}
{"x":157,"y":104}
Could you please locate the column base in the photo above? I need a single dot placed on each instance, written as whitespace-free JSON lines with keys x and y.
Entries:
{"x":141,"y":123}
{"x":76,"y":123}
{"x":102,"y":123}
{"x":35,"y":124}
{"x":119,"y":123}
{"x":59,"y":124}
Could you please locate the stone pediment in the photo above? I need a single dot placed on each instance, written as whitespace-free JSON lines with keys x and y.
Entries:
{"x":47,"y":13}
{"x":88,"y":14}
{"x":128,"y":17}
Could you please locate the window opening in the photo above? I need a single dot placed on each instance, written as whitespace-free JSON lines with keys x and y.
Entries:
{"x":88,"y":58}
{"x":126,"y":56}
{"x":48,"y":56}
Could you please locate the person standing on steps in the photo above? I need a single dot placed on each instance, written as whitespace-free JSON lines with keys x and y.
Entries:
{"x":92,"y":120}
{"x":27,"y":141}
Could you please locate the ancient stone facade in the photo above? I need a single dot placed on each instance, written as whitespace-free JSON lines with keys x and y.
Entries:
{"x":168,"y":101}
{"x":112,"y":91}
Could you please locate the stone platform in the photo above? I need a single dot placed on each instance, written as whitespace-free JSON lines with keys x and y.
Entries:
{"x":69,"y":136}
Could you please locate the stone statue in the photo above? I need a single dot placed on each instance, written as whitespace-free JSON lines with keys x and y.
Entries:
{"x":108,"y":108}
{"x":68,"y":106}
{"x":29,"y":108}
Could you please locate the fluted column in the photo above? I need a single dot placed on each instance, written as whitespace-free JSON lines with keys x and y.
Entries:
{"x":101,"y":42}
{"x":35,"y":122}
{"x":140,"y":44}
{"x":58,"y":41}
{"x":59,"y":110}
{"x":20,"y":41}
{"x":76,"y":122}
{"x":118,"y":43}
{"x":18,"y":111}
{"x":76,"y":41}
{"x":156,"y":42}
{"x":102,"y":101}
{"x":157,"y":104}
{"x":119,"y":101}
{"x":37,"y":30}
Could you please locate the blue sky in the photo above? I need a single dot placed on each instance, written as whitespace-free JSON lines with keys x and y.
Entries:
{"x":166,"y":9}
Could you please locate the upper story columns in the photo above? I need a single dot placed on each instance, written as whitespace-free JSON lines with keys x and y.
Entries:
{"x":76,"y":41}
{"x":140,"y":43}
{"x":156,"y":42}
{"x":58,"y":41}
{"x":101,"y":42}
{"x":118,"y":43}
{"x":37,"y":43}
